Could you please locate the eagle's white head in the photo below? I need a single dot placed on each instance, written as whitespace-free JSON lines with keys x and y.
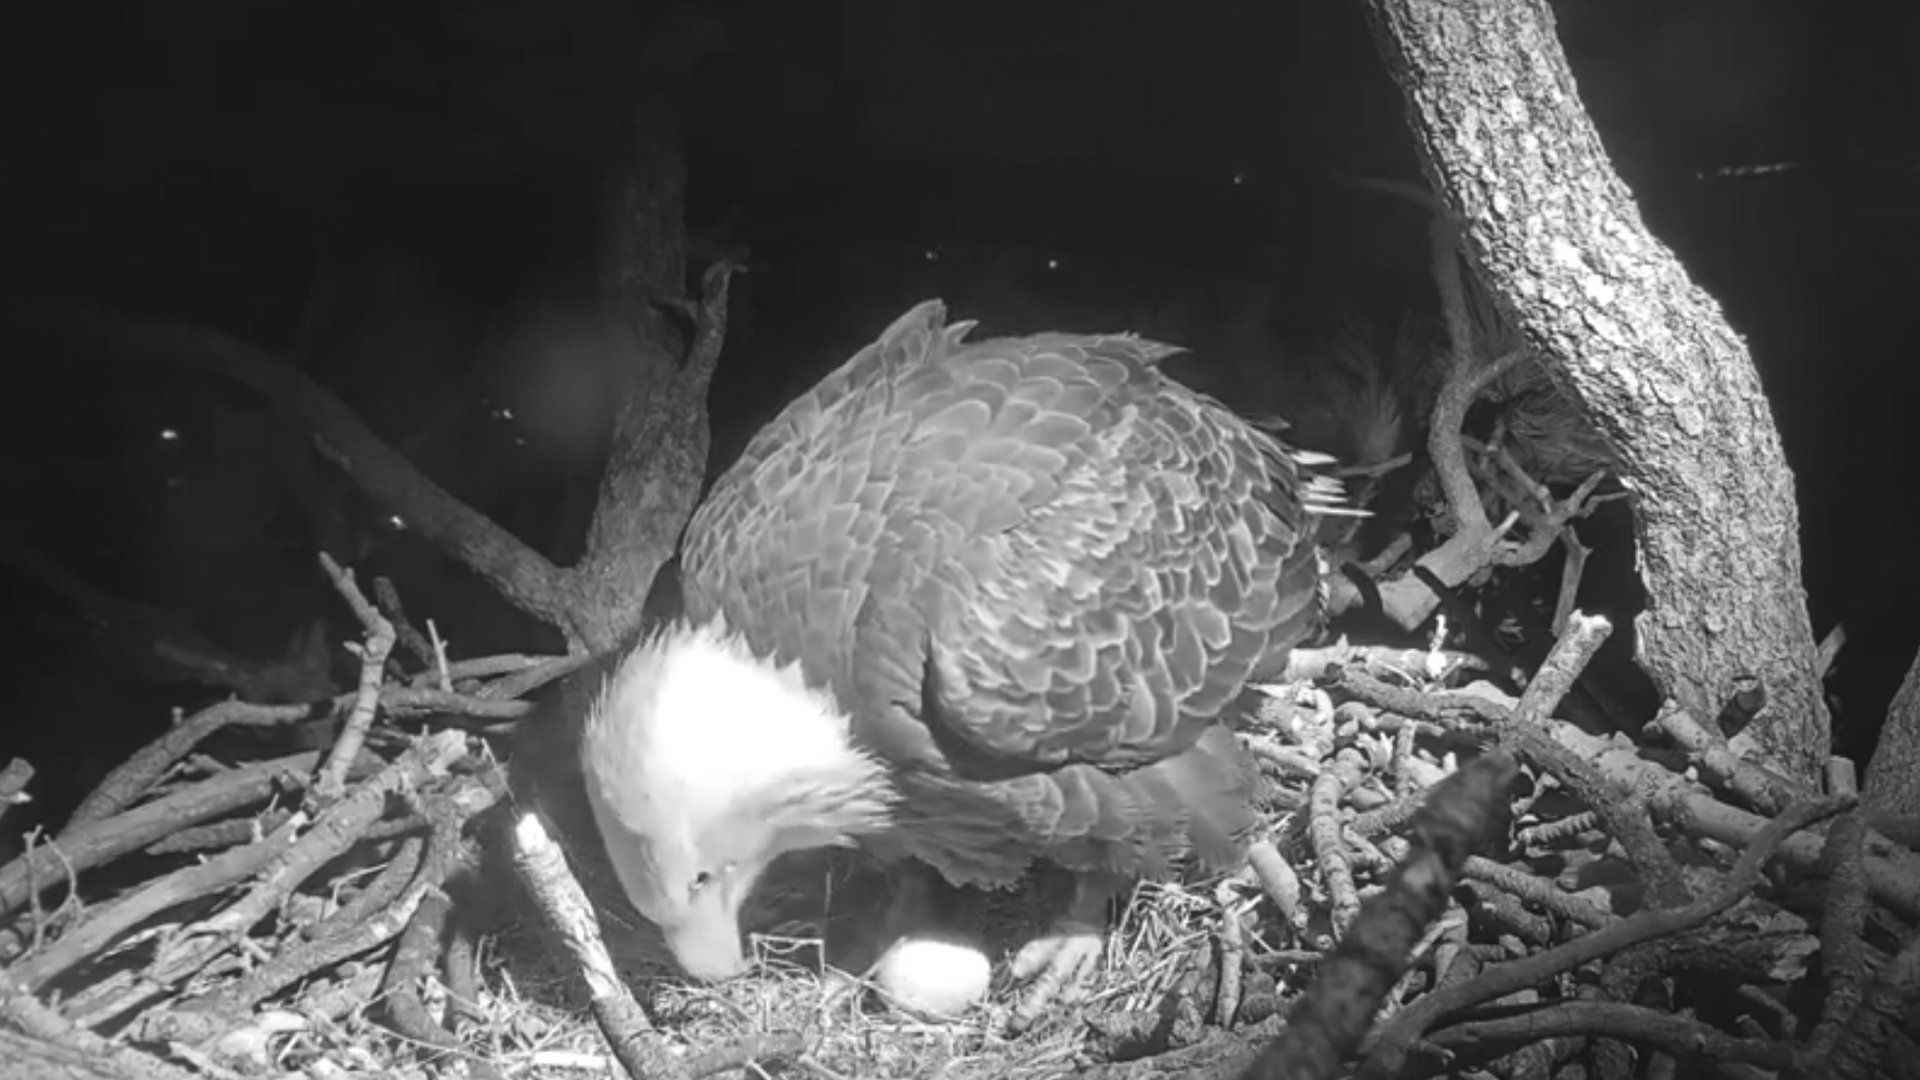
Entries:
{"x":703,"y":762}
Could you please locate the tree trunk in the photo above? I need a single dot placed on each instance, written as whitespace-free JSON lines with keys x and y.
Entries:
{"x":1626,"y":333}
{"x":657,"y":462}
{"x":1893,"y":776}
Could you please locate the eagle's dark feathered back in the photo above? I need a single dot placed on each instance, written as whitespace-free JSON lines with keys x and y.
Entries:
{"x":1035,"y":572}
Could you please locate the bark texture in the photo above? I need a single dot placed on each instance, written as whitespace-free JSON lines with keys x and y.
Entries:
{"x":24,"y":1057}
{"x":657,"y":463}
{"x":1626,"y":333}
{"x":1893,"y":777}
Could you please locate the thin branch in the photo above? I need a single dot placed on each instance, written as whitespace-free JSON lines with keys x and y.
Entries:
{"x":24,"y":1012}
{"x":627,"y":1029}
{"x":105,"y":924}
{"x":1829,"y":650}
{"x":1330,"y":1018}
{"x":1390,"y":1048}
{"x":1893,"y":875}
{"x":132,"y":779}
{"x":1754,"y":786}
{"x":407,"y":635}
{"x":373,"y":667}
{"x":1570,"y":656}
{"x":1540,"y":891}
{"x":1324,"y":828}
{"x":103,"y":841}
{"x":1278,"y":881}
{"x":1677,"y":1035}
{"x":523,"y":576}
{"x":1621,"y":808}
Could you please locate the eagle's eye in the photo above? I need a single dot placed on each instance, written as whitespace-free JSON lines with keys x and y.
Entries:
{"x":706,"y":879}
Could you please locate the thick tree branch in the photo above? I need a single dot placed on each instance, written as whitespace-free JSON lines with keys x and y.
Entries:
{"x":523,"y":575}
{"x":1891,"y":786}
{"x":157,"y":641}
{"x":1629,"y":336}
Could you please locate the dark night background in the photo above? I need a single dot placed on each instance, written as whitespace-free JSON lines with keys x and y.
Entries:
{"x":1033,"y":163}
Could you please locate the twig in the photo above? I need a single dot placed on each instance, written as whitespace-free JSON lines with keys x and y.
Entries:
{"x":1385,"y":819}
{"x":1390,"y":1048}
{"x":1893,"y":876}
{"x":108,"y":922}
{"x":1400,"y":765}
{"x":403,"y":701}
{"x":1331,"y":1017}
{"x":1452,"y":953}
{"x":1324,"y":830}
{"x":524,"y":682}
{"x":21,"y":1010}
{"x":221,"y":834}
{"x":334,"y":830}
{"x":414,"y":958}
{"x":408,"y":635}
{"x":373,"y":671}
{"x":749,"y":1052}
{"x":1829,"y":650}
{"x":1295,"y":764}
{"x":1621,"y":808}
{"x":481,"y":667}
{"x":462,"y":967}
{"x":350,"y":994}
{"x":1231,"y":944}
{"x":1841,"y":777}
{"x":1507,"y":914}
{"x":1554,"y":681}
{"x":440,"y":656}
{"x":1440,"y":707}
{"x":1314,"y":664}
{"x":1785,"y":1021}
{"x":1450,"y":922}
{"x":127,"y":783}
{"x":628,"y":1031}
{"x":100,"y":842}
{"x":1676,"y":1035}
{"x":1551,"y":528}
{"x":372,"y":919}
{"x":40,"y":920}
{"x":1279,"y":881}
{"x":375,"y":896}
{"x":1755,"y":786}
{"x":1552,"y":832}
{"x":1537,"y":890}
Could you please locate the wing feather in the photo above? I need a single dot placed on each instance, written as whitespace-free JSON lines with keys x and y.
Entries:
{"x":1036,"y":570}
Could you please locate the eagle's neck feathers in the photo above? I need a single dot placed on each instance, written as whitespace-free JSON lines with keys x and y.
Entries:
{"x":695,"y":726}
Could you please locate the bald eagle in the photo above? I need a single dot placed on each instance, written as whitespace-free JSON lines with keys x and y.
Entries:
{"x":972,"y":606}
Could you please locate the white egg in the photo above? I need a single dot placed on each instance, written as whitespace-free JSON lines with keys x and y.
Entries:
{"x":934,"y":977}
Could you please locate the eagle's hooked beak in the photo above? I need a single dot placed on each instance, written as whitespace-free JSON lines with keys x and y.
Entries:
{"x":705,"y":938}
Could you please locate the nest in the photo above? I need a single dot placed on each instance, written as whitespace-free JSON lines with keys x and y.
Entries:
{"x":338,"y":913}
{"x":1450,"y":878}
